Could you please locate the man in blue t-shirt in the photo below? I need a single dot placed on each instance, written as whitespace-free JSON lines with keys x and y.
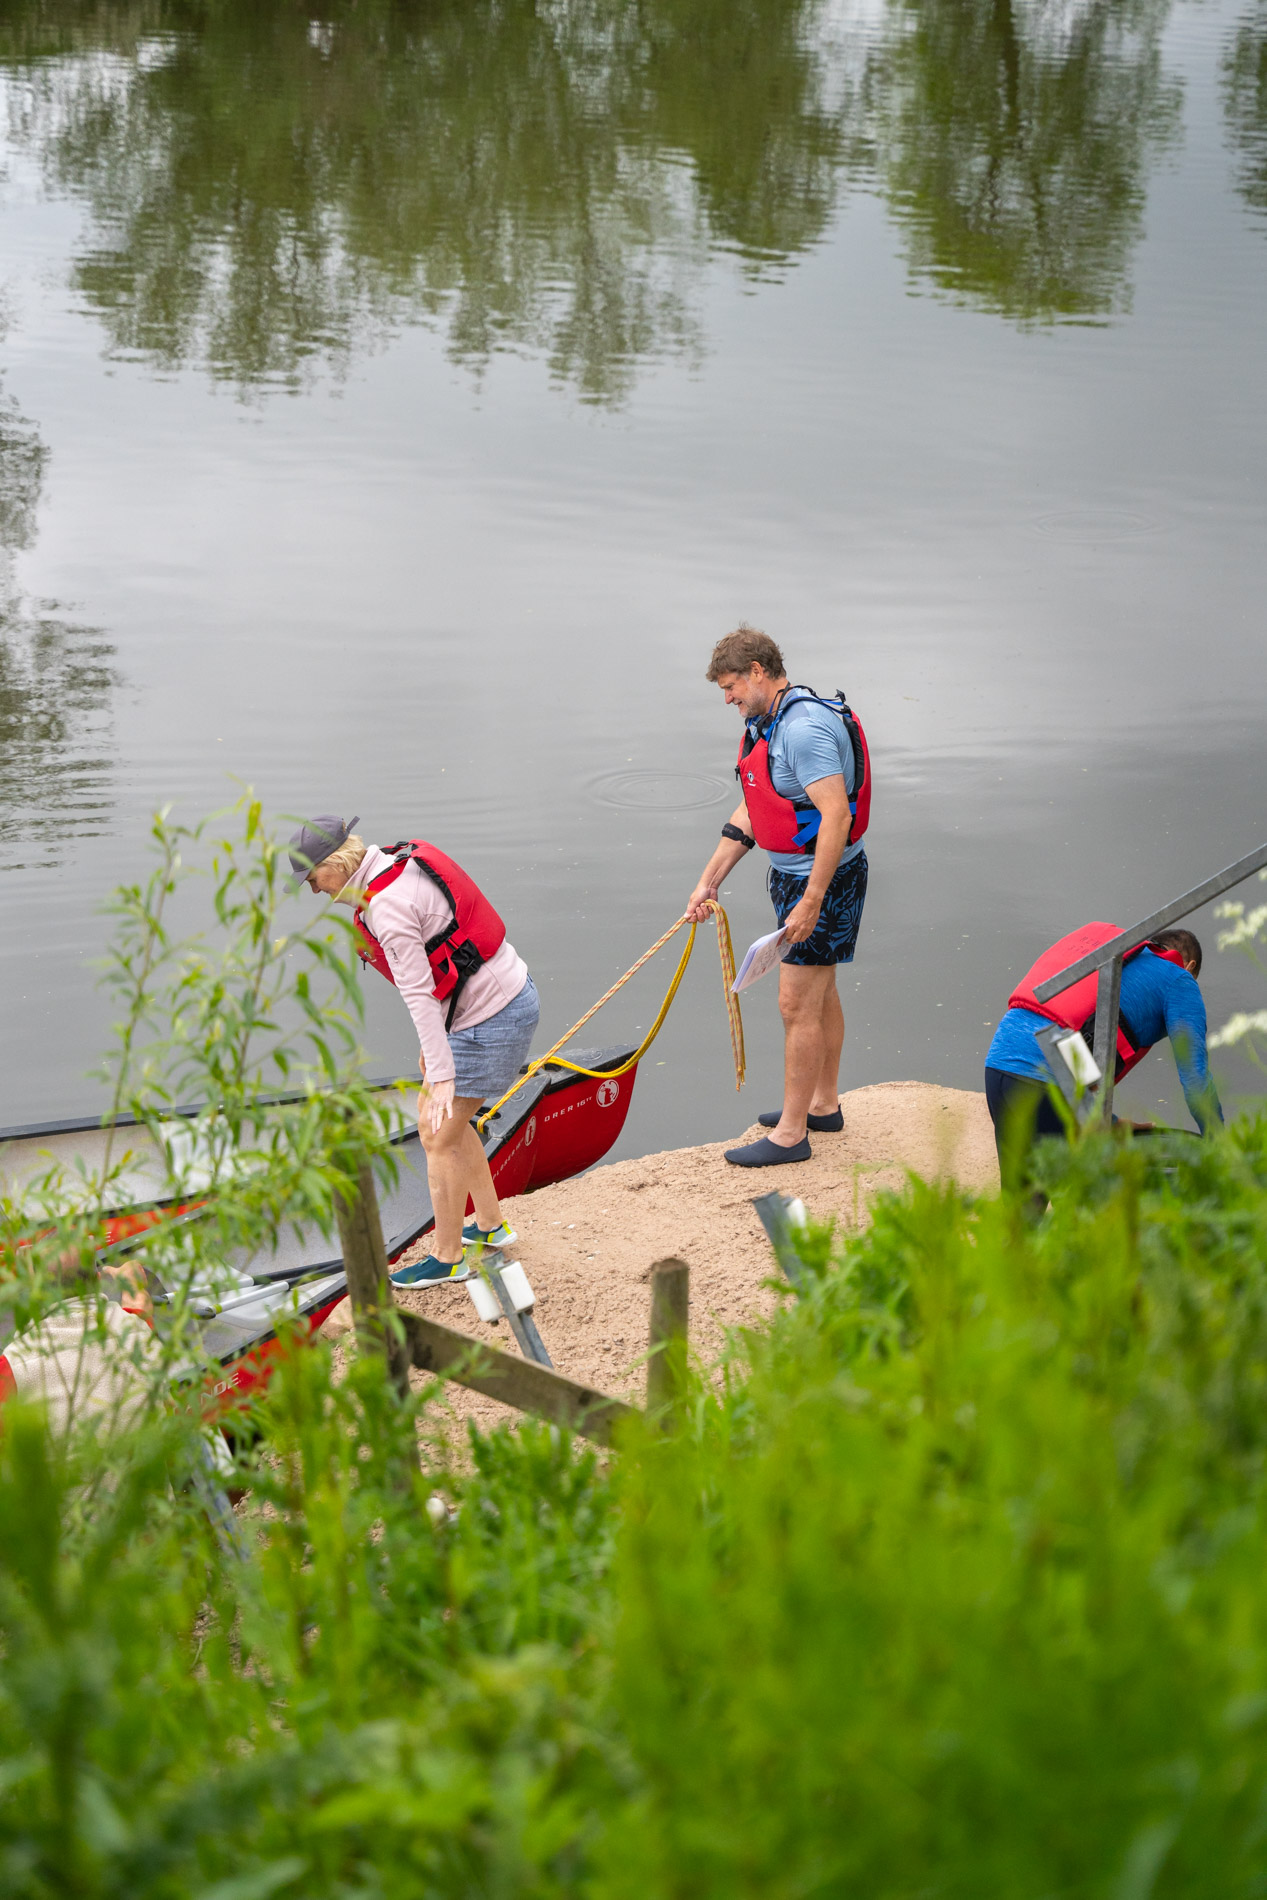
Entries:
{"x":798,"y":776}
{"x":1159,"y":998}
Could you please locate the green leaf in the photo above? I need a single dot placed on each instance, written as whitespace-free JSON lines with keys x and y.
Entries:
{"x":257,"y":1885}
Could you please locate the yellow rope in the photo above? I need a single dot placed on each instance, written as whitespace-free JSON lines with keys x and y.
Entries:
{"x":727,"y":951}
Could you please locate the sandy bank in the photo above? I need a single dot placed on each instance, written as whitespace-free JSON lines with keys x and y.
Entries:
{"x":587,"y":1245}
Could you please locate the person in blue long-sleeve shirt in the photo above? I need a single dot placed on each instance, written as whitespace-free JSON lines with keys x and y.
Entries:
{"x":1159,"y":998}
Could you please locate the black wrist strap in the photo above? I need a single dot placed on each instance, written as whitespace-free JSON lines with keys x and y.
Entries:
{"x":739,"y":837}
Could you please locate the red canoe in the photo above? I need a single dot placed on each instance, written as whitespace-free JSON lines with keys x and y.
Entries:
{"x":557,"y":1126}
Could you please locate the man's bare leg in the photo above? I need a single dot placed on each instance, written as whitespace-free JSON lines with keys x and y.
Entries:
{"x":826,"y":1096}
{"x":457,"y":1167}
{"x":803,"y":1005}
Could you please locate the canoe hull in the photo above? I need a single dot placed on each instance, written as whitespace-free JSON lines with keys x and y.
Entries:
{"x":559,"y":1125}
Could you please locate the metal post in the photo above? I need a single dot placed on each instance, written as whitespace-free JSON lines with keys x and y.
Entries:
{"x":773,"y":1212}
{"x":215,"y":1502}
{"x":369,"y":1289}
{"x":522,"y":1325}
{"x":1129,"y":940}
{"x":1084,"y":1101}
{"x":535,"y":1341}
{"x":666,"y":1362}
{"x":1108,"y":996}
{"x":1105,"y":962}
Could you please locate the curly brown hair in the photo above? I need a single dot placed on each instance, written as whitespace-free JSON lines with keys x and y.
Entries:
{"x":740,"y":651}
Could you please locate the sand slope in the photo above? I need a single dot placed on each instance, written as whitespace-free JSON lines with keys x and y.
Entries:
{"x":588,"y":1245}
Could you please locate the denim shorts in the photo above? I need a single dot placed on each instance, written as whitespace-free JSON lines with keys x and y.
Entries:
{"x":834,"y":937}
{"x":488,"y":1056}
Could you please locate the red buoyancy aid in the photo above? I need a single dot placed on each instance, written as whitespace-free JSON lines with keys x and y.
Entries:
{"x":791,"y":824}
{"x":476,"y":933}
{"x":1074,"y":1008}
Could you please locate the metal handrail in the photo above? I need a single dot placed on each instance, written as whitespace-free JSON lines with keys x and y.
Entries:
{"x":1108,"y":959}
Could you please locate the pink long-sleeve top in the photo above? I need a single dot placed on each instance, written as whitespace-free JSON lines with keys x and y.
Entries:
{"x":403,"y":917}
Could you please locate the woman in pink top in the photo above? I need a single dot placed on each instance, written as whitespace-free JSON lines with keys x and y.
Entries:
{"x":469,"y":1053}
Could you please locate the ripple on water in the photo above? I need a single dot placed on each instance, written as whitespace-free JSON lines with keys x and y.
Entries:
{"x":658,"y":791}
{"x":1094,"y":524}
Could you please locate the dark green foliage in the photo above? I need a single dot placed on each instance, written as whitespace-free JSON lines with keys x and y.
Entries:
{"x":951,"y":1584}
{"x":364,"y":1701}
{"x":275,"y":188}
{"x":973,"y":1604}
{"x":1014,"y":142}
{"x":57,"y":680}
{"x":956,"y":1589}
{"x":1245,"y":99}
{"x":336,"y":1692}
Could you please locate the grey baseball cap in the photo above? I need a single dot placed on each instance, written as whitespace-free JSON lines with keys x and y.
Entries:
{"x":313,"y":843}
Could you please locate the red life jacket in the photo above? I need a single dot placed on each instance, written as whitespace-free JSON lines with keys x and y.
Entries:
{"x":791,"y":824}
{"x":1074,"y":1008}
{"x":476,"y":933}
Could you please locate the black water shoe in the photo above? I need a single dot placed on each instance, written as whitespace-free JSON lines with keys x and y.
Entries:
{"x":767,"y":1154}
{"x":817,"y":1124}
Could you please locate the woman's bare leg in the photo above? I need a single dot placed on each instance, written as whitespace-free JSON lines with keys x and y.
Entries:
{"x":457,"y":1168}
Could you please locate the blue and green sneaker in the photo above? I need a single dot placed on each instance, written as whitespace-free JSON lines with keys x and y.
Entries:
{"x":430,"y":1271}
{"x":473,"y":1235}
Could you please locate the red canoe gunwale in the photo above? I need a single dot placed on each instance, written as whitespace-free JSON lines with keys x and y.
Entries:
{"x":557,"y":1126}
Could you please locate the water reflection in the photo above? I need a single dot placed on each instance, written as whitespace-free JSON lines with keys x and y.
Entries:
{"x":269,"y":191}
{"x":1013,"y":141}
{"x":56,"y":682}
{"x":1245,"y":97}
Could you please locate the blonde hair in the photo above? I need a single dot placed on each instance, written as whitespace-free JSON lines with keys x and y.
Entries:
{"x":347,"y":862}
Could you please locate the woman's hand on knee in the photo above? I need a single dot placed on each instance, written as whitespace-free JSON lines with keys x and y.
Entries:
{"x":435,"y":1108}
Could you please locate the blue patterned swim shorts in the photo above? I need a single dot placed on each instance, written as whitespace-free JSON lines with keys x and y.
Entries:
{"x":835,"y":936}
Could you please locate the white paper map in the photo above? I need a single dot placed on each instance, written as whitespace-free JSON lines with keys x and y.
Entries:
{"x":760,"y":958}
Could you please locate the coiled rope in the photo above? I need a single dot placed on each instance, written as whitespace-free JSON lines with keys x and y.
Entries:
{"x":727,"y":952}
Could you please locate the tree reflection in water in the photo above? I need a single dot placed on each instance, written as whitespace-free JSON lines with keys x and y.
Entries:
{"x":269,"y":192}
{"x":1245,"y":96}
{"x":1013,"y":140}
{"x":56,"y":682}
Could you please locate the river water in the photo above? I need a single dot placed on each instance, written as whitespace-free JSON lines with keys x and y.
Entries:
{"x":400,"y":399}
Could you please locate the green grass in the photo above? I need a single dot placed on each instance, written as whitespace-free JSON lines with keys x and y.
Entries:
{"x":957,"y":1588}
{"x":962,"y":1593}
{"x":950,"y":1586}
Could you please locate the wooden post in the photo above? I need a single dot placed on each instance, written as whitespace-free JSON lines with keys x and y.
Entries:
{"x":369,"y":1289}
{"x":666,"y":1363}
{"x":519,"y":1382}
